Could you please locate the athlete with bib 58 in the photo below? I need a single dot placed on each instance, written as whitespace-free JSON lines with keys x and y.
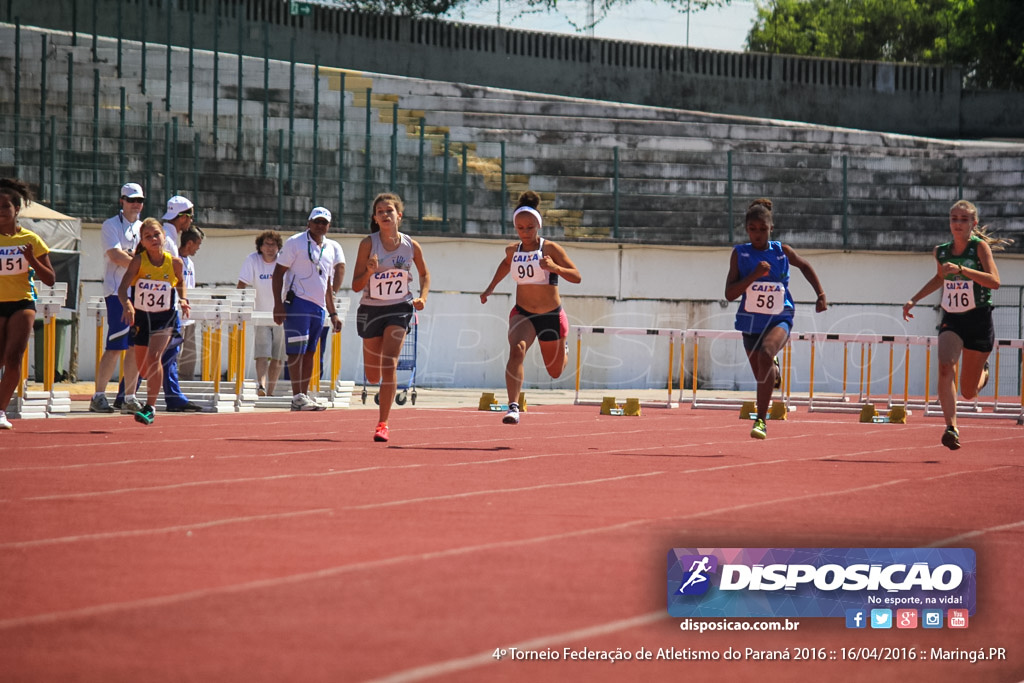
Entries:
{"x":759,"y":273}
{"x":966,"y":274}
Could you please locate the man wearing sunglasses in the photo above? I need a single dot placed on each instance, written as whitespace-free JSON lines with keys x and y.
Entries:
{"x":177,"y":219}
{"x":120,"y":236}
{"x":314,"y":263}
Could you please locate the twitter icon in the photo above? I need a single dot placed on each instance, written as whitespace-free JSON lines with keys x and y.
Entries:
{"x":881,"y":618}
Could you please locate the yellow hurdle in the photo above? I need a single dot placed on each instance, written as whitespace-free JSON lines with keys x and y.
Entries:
{"x":240,"y":359}
{"x":314,"y":381}
{"x":335,"y":359}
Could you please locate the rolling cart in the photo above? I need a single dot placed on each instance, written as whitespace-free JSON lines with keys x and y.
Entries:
{"x":406,"y":363}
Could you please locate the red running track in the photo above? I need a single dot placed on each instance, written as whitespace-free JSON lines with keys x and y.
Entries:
{"x":289,"y":547}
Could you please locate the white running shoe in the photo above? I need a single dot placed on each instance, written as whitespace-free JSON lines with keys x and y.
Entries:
{"x":304,"y":403}
{"x":4,"y":422}
{"x":131,"y":406}
{"x":512,"y":416}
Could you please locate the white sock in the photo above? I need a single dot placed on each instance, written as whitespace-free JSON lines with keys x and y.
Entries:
{"x":129,"y":397}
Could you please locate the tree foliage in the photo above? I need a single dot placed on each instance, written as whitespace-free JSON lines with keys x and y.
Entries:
{"x":986,"y":37}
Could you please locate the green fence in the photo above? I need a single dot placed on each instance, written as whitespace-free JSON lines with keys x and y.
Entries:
{"x":256,"y":142}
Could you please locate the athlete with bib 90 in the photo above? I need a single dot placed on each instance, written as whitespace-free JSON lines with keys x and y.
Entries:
{"x":759,"y":277}
{"x":966,"y":274}
{"x":535,"y":265}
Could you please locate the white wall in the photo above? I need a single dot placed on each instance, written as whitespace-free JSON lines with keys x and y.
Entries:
{"x":462,"y":343}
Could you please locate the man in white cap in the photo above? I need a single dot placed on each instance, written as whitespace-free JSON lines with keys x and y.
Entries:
{"x":314,"y":262}
{"x":119,"y":237}
{"x":177,"y":219}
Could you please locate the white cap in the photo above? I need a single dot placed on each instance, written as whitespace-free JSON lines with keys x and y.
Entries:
{"x":320,"y":212}
{"x":132,"y":190}
{"x":176,"y":205}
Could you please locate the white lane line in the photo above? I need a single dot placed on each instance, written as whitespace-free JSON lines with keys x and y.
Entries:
{"x":331,"y":572}
{"x":130,"y":533}
{"x":486,"y":492}
{"x":484,"y":658}
{"x":470,"y":463}
{"x":974,"y":534}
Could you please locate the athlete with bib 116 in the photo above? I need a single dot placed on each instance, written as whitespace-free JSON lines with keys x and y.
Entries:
{"x":759,"y":273}
{"x":966,"y":274}
{"x":535,"y":264}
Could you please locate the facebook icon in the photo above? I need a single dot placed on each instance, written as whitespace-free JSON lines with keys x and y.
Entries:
{"x":856,"y":618}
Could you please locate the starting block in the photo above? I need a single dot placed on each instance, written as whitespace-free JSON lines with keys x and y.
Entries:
{"x":631,"y":408}
{"x":489,"y":402}
{"x":896,"y":414}
{"x":778,"y":411}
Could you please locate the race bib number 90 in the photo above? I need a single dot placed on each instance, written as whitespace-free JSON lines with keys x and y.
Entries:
{"x":766,"y":298}
{"x":526,"y":268}
{"x":389,"y":285}
{"x":153,"y":296}
{"x":957,"y":296}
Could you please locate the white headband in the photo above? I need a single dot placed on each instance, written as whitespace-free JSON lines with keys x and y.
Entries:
{"x":530,"y":210}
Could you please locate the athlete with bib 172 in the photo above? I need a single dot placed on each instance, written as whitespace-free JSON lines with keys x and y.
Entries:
{"x":759,"y":273}
{"x":535,"y":265}
{"x":383,"y":274}
{"x":966,"y":274}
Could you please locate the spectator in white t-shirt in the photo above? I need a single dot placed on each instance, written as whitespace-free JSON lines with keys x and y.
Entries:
{"x":258,"y":272}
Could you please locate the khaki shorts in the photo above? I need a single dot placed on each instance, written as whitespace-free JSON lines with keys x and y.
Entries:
{"x":268,"y":342}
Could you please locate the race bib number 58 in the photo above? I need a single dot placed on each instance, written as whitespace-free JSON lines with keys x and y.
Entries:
{"x":766,"y":298}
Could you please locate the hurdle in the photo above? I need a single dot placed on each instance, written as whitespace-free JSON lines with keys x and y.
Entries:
{"x":731,"y":403}
{"x":672,"y":335}
{"x":855,"y":399}
{"x":339,"y":392}
{"x":46,"y":403}
{"x":97,"y":306}
{"x":998,"y":409}
{"x":848,"y":401}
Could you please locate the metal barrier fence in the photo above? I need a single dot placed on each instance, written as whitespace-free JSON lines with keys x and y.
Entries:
{"x":256,"y":159}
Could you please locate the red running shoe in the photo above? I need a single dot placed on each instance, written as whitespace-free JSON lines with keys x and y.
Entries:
{"x":381,"y":434}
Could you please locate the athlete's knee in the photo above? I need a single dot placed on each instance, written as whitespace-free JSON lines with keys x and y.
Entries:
{"x":517,"y":350}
